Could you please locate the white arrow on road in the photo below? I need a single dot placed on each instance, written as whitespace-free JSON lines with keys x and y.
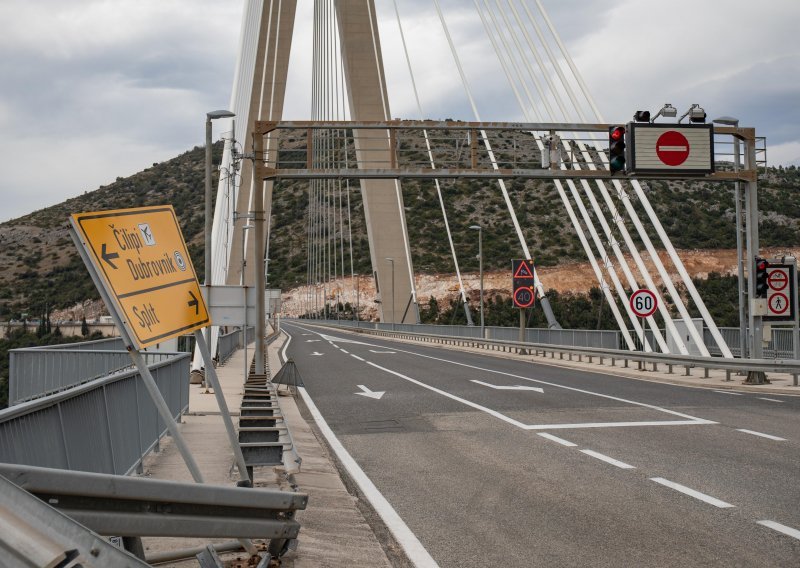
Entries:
{"x":372,"y":394}
{"x":514,"y":388}
{"x":313,"y":340}
{"x":317,"y":354}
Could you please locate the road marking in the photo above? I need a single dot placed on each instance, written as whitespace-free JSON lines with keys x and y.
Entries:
{"x":729,"y":392}
{"x":343,"y":351}
{"x":407,"y":539}
{"x":356,"y":357}
{"x":556,"y":439}
{"x":286,"y":346}
{"x":334,"y":346}
{"x":691,"y":420}
{"x":768,"y":399}
{"x":371,"y":394}
{"x":308,"y":334}
{"x":317,"y":354}
{"x":313,"y":340}
{"x":794,"y":533}
{"x":605,"y":458}
{"x":376,"y":351}
{"x":768,"y":436}
{"x":489,"y":411}
{"x":515,"y":387}
{"x":692,"y":493}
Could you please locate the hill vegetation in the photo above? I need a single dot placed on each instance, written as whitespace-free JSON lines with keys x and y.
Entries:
{"x":40,"y":269}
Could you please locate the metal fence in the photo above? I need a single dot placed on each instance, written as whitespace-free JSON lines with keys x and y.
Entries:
{"x":39,"y":371}
{"x":780,"y":347}
{"x":230,"y":342}
{"x":107,"y":425}
{"x":569,"y":337}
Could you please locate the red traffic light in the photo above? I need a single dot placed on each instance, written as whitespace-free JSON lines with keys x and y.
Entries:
{"x":762,"y":265}
{"x":618,"y":133}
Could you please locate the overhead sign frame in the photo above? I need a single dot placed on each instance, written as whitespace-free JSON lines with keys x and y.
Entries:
{"x":140,"y":261}
{"x":658,"y":148}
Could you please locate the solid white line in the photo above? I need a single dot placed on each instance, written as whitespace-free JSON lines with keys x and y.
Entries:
{"x":286,"y":346}
{"x":768,"y":436}
{"x":692,"y":493}
{"x":794,"y":533}
{"x":616,"y":424}
{"x":729,"y":392}
{"x":410,"y":543}
{"x":607,"y":459}
{"x":558,"y":440}
{"x":343,"y":351}
{"x":515,"y":387}
{"x":494,"y":413}
{"x":768,"y":399}
{"x":356,"y":357}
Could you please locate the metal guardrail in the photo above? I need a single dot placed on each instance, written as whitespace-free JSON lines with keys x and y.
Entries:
{"x":39,"y":371}
{"x":687,"y":362}
{"x":780,"y":347}
{"x":228,"y":343}
{"x":107,"y":425}
{"x":573,"y":337}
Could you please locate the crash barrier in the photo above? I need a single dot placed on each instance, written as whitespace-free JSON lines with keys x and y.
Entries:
{"x":106,"y":425}
{"x":670,"y":361}
{"x":779,"y":347}
{"x":39,"y":371}
{"x":137,"y":507}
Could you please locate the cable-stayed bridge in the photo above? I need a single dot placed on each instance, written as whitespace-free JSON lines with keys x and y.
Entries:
{"x":440,"y":430}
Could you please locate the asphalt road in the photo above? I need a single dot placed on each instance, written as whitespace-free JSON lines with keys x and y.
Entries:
{"x":565,"y":468}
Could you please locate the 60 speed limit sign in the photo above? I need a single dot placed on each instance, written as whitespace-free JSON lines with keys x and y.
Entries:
{"x":643,"y":303}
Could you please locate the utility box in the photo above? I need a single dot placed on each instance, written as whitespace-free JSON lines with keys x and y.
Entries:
{"x":688,"y":340}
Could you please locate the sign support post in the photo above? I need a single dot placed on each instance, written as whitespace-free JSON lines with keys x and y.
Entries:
{"x":211,"y":374}
{"x":796,"y":322}
{"x":755,"y":332}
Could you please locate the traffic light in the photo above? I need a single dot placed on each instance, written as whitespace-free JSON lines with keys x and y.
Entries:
{"x":761,"y":276}
{"x":616,"y":148}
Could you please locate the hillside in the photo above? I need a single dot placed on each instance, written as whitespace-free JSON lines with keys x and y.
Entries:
{"x":40,"y":269}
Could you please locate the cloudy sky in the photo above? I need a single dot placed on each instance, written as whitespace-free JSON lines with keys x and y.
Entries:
{"x":95,"y":89}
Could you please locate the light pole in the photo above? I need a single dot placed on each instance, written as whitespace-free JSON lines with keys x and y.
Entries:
{"x":391,"y":260}
{"x":214,"y":114}
{"x":480,"y":264}
{"x":245,"y":228}
{"x":730,"y":121}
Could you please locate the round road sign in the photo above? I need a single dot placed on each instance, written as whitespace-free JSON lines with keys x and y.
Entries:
{"x":672,"y":148}
{"x":778,"y":303}
{"x":524,"y":297}
{"x":643,"y":303}
{"x":777,"y":280}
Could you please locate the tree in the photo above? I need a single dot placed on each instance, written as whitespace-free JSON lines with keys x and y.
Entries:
{"x":84,"y":327}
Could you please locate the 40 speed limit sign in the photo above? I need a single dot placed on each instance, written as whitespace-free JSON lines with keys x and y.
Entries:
{"x":643,"y":303}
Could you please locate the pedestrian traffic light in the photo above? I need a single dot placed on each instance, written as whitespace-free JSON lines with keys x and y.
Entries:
{"x":616,"y":148}
{"x":761,"y":276}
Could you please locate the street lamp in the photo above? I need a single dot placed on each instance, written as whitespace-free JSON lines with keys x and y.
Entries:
{"x":391,"y":260}
{"x":731,"y":121}
{"x":214,"y":114}
{"x":480,"y":261}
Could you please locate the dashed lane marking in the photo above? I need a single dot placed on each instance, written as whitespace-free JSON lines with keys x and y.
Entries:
{"x":605,"y":458}
{"x":789,"y":531}
{"x":761,"y":434}
{"x":557,"y":440}
{"x":692,"y":493}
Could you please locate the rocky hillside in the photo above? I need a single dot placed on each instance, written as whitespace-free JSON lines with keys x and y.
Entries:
{"x":39,"y":268}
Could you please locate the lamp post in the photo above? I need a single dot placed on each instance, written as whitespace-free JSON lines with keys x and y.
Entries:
{"x":245,"y":228}
{"x":480,"y":264}
{"x":213,"y":115}
{"x":730,"y":121}
{"x":391,"y":261}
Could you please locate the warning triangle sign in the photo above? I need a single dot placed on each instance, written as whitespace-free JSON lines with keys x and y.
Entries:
{"x":523,"y":271}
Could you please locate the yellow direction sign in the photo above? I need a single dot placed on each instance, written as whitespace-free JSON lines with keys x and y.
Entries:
{"x":144,"y":266}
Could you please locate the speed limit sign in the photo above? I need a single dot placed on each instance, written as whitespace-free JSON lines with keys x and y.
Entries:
{"x":643,"y":303}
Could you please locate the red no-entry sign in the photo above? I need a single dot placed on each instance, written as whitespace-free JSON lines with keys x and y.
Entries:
{"x":777,"y":279}
{"x":672,"y":148}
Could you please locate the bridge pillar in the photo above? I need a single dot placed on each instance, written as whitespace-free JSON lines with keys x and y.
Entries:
{"x":383,"y":199}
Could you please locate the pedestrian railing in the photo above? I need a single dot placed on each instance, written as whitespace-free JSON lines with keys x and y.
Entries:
{"x":39,"y":371}
{"x":228,"y":343}
{"x":106,"y":425}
